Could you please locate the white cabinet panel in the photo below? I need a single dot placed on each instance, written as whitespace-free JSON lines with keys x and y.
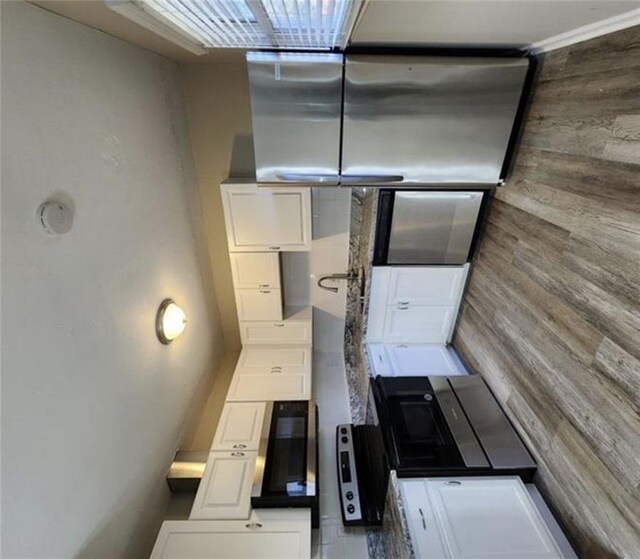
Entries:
{"x":259,"y":304}
{"x":255,"y":270}
{"x":267,"y":219}
{"x":475,"y":518}
{"x":421,"y":360}
{"x":239,"y":426}
{"x":274,"y":534}
{"x":271,"y":386}
{"x":378,"y":303}
{"x":418,"y":324}
{"x":426,"y":285}
{"x":225,"y":489}
{"x":260,"y":360}
{"x":285,"y":332}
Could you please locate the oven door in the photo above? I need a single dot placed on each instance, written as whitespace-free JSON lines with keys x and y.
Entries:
{"x":425,"y":428}
{"x":285,"y":473}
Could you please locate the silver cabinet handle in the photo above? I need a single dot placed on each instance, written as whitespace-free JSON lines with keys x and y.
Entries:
{"x":278,"y":325}
{"x":239,"y":446}
{"x":253,"y":525}
{"x":402,"y":308}
{"x":424,"y":523}
{"x":402,"y":303}
{"x":264,"y":285}
{"x":274,"y":248}
{"x":237,"y":454}
{"x":265,"y":291}
{"x":453,"y":482}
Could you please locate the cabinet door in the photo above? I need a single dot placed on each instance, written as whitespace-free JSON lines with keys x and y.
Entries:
{"x":379,"y":360}
{"x":421,"y":360}
{"x":259,"y":304}
{"x":286,"y":332}
{"x":272,"y":534}
{"x":225,"y":489}
{"x":267,"y":219}
{"x":239,"y":427}
{"x":418,"y":324}
{"x":271,"y":386}
{"x":476,"y":518}
{"x":261,"y":360}
{"x":255,"y":270}
{"x":378,"y":295}
{"x":426,"y":285}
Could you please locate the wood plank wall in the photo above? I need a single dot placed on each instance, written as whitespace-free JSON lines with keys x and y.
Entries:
{"x":552,"y":314}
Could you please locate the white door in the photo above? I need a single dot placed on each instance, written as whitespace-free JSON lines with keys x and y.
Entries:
{"x":476,"y":518}
{"x":426,"y":285}
{"x":267,"y":534}
{"x":418,"y":324}
{"x":421,"y":360}
{"x":272,"y":386}
{"x":225,"y":489}
{"x":286,"y":332}
{"x":239,"y":426}
{"x":255,"y":270}
{"x":263,"y":360}
{"x":267,"y":219}
{"x":259,"y":304}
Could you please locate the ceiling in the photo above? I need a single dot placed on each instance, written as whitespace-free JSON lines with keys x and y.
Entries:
{"x":415,"y":22}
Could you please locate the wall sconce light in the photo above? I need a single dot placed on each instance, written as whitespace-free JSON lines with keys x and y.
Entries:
{"x":170,"y":321}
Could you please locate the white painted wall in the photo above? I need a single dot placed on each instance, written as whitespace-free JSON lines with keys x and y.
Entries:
{"x":92,"y":403}
{"x":480,"y":22}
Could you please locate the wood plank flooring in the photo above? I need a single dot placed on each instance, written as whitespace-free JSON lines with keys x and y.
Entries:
{"x":551,"y":318}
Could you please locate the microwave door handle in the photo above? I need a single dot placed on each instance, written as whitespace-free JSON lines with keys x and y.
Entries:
{"x":368,"y":179}
{"x":258,"y":472}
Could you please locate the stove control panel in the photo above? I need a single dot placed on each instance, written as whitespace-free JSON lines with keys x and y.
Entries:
{"x":348,"y":475}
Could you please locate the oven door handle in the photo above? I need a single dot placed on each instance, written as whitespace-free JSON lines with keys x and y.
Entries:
{"x":261,"y":459}
{"x":312,"y":432}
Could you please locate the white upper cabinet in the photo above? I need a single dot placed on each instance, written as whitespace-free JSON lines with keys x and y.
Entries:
{"x":225,"y":489}
{"x":427,"y":285}
{"x":288,"y":359}
{"x":267,"y":534}
{"x":475,"y":518}
{"x":259,"y":304}
{"x":275,"y":333}
{"x":267,"y":219}
{"x":239,"y":426}
{"x":271,"y":385}
{"x":255,"y":270}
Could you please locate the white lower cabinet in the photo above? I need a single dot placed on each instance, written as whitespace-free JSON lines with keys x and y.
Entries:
{"x":407,"y":360}
{"x":259,"y":304}
{"x":263,"y":333}
{"x":418,"y":324}
{"x":239,"y":426}
{"x":225,"y":489}
{"x":286,"y":359}
{"x":475,"y":518}
{"x":267,"y":534}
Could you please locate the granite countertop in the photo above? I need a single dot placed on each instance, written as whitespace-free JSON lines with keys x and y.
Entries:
{"x":392,"y":540}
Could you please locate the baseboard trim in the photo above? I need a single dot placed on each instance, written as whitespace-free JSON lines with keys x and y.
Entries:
{"x":586,"y":32}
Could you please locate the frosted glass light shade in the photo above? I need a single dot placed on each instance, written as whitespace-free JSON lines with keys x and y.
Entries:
{"x":170,"y":321}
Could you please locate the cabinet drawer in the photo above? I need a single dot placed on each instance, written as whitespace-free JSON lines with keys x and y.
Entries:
{"x":239,"y":426}
{"x":271,"y":386}
{"x":225,"y":489}
{"x":259,"y":304}
{"x":286,"y":332}
{"x":255,"y":270}
{"x":426,"y":285}
{"x":428,"y":324}
{"x":267,"y":534}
